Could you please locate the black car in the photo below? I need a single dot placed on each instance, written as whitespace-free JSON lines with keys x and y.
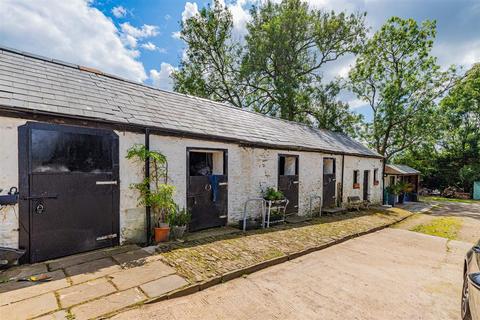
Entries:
{"x":471,"y":285}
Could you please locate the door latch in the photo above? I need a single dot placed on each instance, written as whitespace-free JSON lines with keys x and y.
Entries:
{"x":40,"y":208}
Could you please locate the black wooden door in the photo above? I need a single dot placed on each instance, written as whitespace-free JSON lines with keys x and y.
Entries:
{"x":329,"y":182}
{"x":366,"y":190}
{"x":73,"y":191}
{"x":288,"y":169}
{"x":206,"y":211}
{"x":289,"y":186}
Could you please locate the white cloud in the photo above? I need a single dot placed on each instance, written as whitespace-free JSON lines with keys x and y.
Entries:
{"x":119,"y":12}
{"x":356,"y":103}
{"x":68,"y":30}
{"x":190,"y":10}
{"x":145,"y":31}
{"x":149,"y":46}
{"x":129,"y":41}
{"x":161,"y":78}
{"x":176,"y":35}
{"x":152,"y":47}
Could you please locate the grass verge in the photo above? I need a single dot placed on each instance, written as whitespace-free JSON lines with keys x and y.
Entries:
{"x":442,"y":199}
{"x":447,"y":227}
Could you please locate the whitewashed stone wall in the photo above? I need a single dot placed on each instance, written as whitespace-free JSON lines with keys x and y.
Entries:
{"x":250,"y":171}
{"x":9,"y":178}
{"x":362,"y":164}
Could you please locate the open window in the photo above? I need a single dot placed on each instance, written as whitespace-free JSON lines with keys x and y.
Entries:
{"x":356,"y":176}
{"x":328,"y":166}
{"x":206,"y":163}
{"x":288,"y":165}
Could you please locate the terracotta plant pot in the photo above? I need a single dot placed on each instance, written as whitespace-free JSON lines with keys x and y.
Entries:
{"x":161,"y":234}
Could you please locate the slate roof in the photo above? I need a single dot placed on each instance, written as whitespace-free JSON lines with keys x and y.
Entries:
{"x":38,"y":84}
{"x":400,"y":169}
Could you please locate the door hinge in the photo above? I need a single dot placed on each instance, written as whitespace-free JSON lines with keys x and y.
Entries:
{"x":108,"y":236}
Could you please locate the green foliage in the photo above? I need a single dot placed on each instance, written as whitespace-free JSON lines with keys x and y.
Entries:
{"x":400,"y":80}
{"x":453,"y":159}
{"x":273,"y":194}
{"x":277,"y":69}
{"x":153,"y":193}
{"x":179,"y":217}
{"x":287,"y":46}
{"x":211,"y":66}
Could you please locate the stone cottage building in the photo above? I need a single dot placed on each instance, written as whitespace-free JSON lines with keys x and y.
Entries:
{"x":65,"y":130}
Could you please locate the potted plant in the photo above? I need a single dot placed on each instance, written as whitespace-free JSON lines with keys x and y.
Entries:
{"x":272,"y":194}
{"x":179,"y":220}
{"x":276,"y":200}
{"x":392,"y":192}
{"x":154,"y":190}
{"x":403,"y":188}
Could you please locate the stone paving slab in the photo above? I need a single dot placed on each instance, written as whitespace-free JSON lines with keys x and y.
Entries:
{"x":16,"y":291}
{"x":83,"y":292}
{"x":139,"y":275}
{"x":29,"y":308}
{"x":91,"y":270}
{"x":163,"y":285}
{"x":108,"y":304}
{"x":58,"y":315}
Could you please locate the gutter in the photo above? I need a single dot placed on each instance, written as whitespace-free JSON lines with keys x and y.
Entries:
{"x":47,"y":116}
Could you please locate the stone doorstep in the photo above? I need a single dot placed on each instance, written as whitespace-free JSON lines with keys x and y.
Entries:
{"x":84,"y":292}
{"x":80,"y":258}
{"x":108,"y":304}
{"x":17,"y":291}
{"x":23,"y":271}
{"x":29,"y":308}
{"x":131,"y":258}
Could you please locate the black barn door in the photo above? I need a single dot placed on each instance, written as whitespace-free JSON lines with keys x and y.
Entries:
{"x":72,"y":191}
{"x":207,"y":188}
{"x":288,"y":180}
{"x":366,"y":189}
{"x":329,"y":182}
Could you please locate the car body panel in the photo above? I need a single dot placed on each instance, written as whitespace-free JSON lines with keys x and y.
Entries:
{"x":472,"y":273}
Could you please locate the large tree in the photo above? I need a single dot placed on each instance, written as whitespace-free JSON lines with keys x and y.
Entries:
{"x":210,"y":67}
{"x":399,"y":78}
{"x":461,"y":139}
{"x":287,"y":46}
{"x":277,"y":69}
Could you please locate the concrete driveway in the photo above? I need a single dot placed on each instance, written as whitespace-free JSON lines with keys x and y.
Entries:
{"x":390,"y":274}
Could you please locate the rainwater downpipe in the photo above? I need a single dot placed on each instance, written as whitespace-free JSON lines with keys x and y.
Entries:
{"x":383,"y":182}
{"x":341,"y":185}
{"x":147,"y":176}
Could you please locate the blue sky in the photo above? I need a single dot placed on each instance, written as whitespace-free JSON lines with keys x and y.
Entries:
{"x":137,"y":40}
